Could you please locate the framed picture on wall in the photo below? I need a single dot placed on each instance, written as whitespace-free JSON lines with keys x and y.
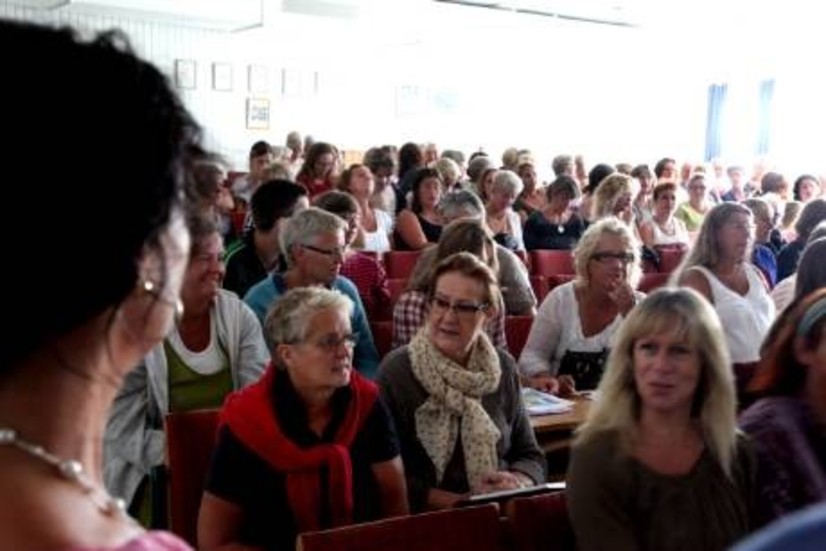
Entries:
{"x":258,"y":114}
{"x":258,"y":79}
{"x":185,"y":74}
{"x":222,"y":77}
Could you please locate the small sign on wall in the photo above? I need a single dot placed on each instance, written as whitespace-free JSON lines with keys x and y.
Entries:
{"x":185,"y":75}
{"x":222,"y":77}
{"x":258,"y":114}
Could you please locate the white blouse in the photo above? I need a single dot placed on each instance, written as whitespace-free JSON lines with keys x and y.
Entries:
{"x":557,"y":329}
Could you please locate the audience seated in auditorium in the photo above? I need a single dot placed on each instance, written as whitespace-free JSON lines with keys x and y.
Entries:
{"x":514,"y":282}
{"x":314,"y":248}
{"x":813,"y":214}
{"x":206,"y":193}
{"x":258,"y":253}
{"x":785,"y":423}
{"x":365,"y":271}
{"x":663,"y":230}
{"x":382,"y":165}
{"x":502,"y":220}
{"x":215,"y":348}
{"x":455,"y":398}
{"x":810,"y":273}
{"x":572,"y":333}
{"x":695,"y":209}
{"x":375,"y":225}
{"x":95,"y":279}
{"x":533,"y":196}
{"x":260,"y":158}
{"x":764,"y":253}
{"x":410,"y":311}
{"x":311,"y":445}
{"x":319,"y":172}
{"x":659,"y":464}
{"x":420,"y":225}
{"x":806,"y":188}
{"x":718,"y":267}
{"x":556,"y":226}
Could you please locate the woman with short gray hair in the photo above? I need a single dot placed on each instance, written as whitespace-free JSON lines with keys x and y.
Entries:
{"x":312,"y":435}
{"x":502,"y":220}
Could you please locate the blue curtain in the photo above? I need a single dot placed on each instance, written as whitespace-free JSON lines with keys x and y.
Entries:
{"x":764,"y":120}
{"x":714,"y":125}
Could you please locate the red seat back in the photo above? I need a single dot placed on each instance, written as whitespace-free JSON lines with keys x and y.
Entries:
{"x":400,"y":264}
{"x":540,"y":287}
{"x":517,"y":329}
{"x":540,"y":522}
{"x":472,"y":528}
{"x":547,"y":262}
{"x":382,"y":336}
{"x":650,"y":282}
{"x":190,"y":437}
{"x":670,"y":258}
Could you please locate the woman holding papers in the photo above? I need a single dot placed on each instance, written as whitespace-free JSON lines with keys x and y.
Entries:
{"x":659,"y":464}
{"x":455,"y":398}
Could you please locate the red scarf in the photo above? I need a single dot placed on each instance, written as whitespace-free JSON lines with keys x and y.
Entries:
{"x":250,"y":415}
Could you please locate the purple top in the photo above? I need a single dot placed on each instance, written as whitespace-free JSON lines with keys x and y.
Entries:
{"x":791,"y":455}
{"x":150,"y":541}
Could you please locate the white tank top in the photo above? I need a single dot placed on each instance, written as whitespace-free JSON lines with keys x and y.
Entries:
{"x":745,"y":318}
{"x":680,"y":235}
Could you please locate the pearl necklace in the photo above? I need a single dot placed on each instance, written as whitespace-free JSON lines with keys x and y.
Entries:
{"x":70,"y":470}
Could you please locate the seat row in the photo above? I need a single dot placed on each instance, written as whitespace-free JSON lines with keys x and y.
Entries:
{"x":521,"y":524}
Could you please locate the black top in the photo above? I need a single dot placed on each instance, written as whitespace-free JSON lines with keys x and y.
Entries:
{"x":240,"y":476}
{"x":243,"y":267}
{"x":432,"y":232}
{"x":539,"y":233}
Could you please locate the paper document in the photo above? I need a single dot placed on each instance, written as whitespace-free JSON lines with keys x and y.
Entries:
{"x":542,"y":403}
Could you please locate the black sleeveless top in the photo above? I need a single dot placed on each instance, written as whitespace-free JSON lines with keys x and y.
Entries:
{"x":432,"y":232}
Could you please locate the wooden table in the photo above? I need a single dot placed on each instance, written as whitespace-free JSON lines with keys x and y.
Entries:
{"x":554,"y":434}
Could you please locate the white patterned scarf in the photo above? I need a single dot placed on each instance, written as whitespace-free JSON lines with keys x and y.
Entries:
{"x":455,"y":406}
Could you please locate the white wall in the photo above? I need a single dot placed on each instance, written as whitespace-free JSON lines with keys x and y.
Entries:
{"x":472,"y":78}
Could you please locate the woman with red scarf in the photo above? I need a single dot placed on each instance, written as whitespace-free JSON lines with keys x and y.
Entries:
{"x":310,"y":446}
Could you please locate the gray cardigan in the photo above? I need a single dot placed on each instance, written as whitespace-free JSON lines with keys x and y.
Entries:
{"x":517,"y":448}
{"x":134,"y":442}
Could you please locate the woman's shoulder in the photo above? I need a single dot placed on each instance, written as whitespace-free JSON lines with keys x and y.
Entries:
{"x":772,"y":414}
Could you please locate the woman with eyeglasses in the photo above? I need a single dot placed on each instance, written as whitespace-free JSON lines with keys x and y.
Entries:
{"x":455,"y":398}
{"x":310,"y":446}
{"x":571,"y":335}
{"x":719,"y":268}
{"x":215,"y":347}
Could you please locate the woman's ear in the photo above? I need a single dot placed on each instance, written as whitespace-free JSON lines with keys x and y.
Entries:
{"x":803,"y":354}
{"x":286,"y":354}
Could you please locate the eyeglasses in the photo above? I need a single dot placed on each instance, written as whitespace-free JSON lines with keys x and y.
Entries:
{"x":441,"y":305}
{"x":604,"y":257}
{"x":331,"y":343}
{"x":335,"y":251}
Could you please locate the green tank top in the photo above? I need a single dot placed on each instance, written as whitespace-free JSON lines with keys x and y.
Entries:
{"x":189,"y":390}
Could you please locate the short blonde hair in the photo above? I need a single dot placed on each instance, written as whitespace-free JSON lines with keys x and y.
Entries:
{"x":687,"y":314}
{"x":608,"y":192}
{"x":588,"y":244}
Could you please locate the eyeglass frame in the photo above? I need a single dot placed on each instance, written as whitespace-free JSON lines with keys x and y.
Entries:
{"x":331,"y":343}
{"x":603,"y":256}
{"x":338,"y":251}
{"x":461,"y":309}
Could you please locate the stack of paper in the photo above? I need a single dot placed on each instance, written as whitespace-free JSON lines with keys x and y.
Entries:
{"x":542,"y":403}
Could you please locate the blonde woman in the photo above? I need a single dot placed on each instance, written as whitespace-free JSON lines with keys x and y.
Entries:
{"x":614,"y":197}
{"x":659,"y":464}
{"x":719,"y":268}
{"x":573,"y":330}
